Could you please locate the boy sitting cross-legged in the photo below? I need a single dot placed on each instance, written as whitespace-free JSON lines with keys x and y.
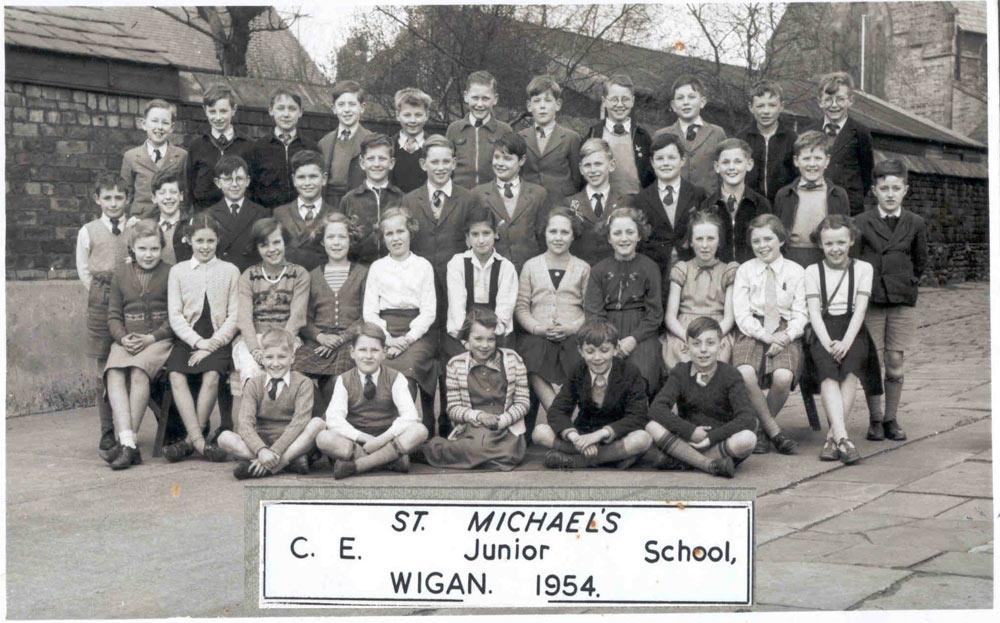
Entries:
{"x":371,"y":421}
{"x":712,"y":428}
{"x":274,"y":430}
{"x":610,"y":394}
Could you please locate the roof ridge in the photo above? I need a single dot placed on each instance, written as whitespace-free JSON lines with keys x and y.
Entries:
{"x":921,"y":118}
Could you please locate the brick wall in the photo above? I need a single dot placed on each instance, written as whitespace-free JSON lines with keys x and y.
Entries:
{"x":957,"y":214}
{"x":58,"y":139}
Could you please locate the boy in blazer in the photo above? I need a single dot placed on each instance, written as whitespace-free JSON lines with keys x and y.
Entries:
{"x":473,"y":136}
{"x":665,"y":202}
{"x":770,"y":140}
{"x":610,"y":394}
{"x":235,"y":214}
{"x":342,"y":147}
{"x":364,"y":205}
{"x":304,"y":219}
{"x":592,"y":206}
{"x":521,"y":208}
{"x":699,"y":137}
{"x":205,"y":150}
{"x":894,"y":242}
{"x":268,"y":157}
{"x":628,"y":141}
{"x":851,"y":156}
{"x":553,"y":151}
{"x":141,"y":163}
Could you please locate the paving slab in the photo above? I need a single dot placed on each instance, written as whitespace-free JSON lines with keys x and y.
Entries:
{"x":858,"y":521}
{"x":960,"y":563}
{"x":800,"y":511}
{"x":919,"y":505}
{"x":898,"y":557}
{"x":936,"y":592}
{"x":968,"y":479}
{"x":841,"y":490}
{"x":802,"y":546}
{"x":820,"y":586}
{"x":943,"y":535}
{"x":975,"y":510}
{"x":766,"y":531}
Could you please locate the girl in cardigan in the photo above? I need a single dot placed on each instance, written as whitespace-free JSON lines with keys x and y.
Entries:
{"x":401,"y":300}
{"x":625,"y":289}
{"x":273,"y":294}
{"x":137,"y":321}
{"x":702,"y":286}
{"x":336,"y":291}
{"x":837,"y":291}
{"x":549,"y":309}
{"x":770,"y":309}
{"x":487,"y":401}
{"x":201,"y":305}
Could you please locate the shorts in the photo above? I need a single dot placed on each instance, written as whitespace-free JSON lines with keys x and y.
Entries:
{"x":891,"y":327}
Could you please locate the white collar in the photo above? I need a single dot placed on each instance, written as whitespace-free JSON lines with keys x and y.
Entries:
{"x":676,"y":185}
{"x":548,"y":128}
{"x":605,"y":189}
{"x":375,"y":376}
{"x":839,"y":124}
{"x":150,"y":148}
{"x":777,"y":265}
{"x":609,"y":125}
{"x":317,"y":203}
{"x":684,"y":125}
{"x":292,"y":133}
{"x":383,"y":186}
{"x":739,"y":197}
{"x":604,"y":376}
{"x":350,"y":131}
{"x":229,"y":134}
{"x":447,"y":188}
{"x":174,"y":221}
{"x":472,"y":119}
{"x":882,"y":213}
{"x":195,"y":263}
{"x":286,"y":378}
{"x":469,"y":253}
{"x":515,"y":184}
{"x":238,"y":202}
{"x":418,"y":138}
{"x":107,"y":221}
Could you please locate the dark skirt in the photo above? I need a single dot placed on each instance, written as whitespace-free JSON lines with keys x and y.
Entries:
{"x":417,"y":362}
{"x":647,"y":354}
{"x":749,"y":351}
{"x":861,"y":359}
{"x":219,"y":361}
{"x":98,"y":335}
{"x":469,"y":447}
{"x":307,"y":361}
{"x":553,"y":361}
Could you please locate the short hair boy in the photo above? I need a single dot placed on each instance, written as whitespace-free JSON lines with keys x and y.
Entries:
{"x":473,"y":135}
{"x":371,"y":421}
{"x":700,"y":138}
{"x":610,"y":394}
{"x":235,"y":213}
{"x":342,"y":146}
{"x":553,"y":150}
{"x":169,"y":200}
{"x":629,"y":141}
{"x":139,"y":164}
{"x":770,"y":139}
{"x":365,"y":203}
{"x":804,"y":203}
{"x":666,"y":202}
{"x":304,"y":219}
{"x":204,"y":151}
{"x":519,"y":206}
{"x":894,"y":241}
{"x":412,"y":111}
{"x":733,"y":202}
{"x":851,"y":156}
{"x":274,"y":430}
{"x":269,"y":157}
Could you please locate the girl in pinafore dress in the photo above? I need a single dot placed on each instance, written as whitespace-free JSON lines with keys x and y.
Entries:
{"x":769,"y":304}
{"x":701,"y":286}
{"x":625,"y":290}
{"x":487,"y":401}
{"x":336,"y":291}
{"x":201,"y":306}
{"x":273,"y":294}
{"x":837,"y":291}
{"x":401,"y":300}
{"x":137,"y":321}
{"x":549,"y":309}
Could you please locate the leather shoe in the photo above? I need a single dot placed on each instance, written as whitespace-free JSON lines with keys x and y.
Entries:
{"x":763,"y":444}
{"x":214,"y":453}
{"x":848,"y":453}
{"x":178,"y":451}
{"x":829,"y":451}
{"x":125,"y":459}
{"x":343,"y":469}
{"x":723,"y":467}
{"x":554,"y":459}
{"x":875,"y":432}
{"x":784,"y":444}
{"x":893,"y":431}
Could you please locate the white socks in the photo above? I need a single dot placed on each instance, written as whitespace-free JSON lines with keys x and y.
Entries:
{"x":127,"y":438}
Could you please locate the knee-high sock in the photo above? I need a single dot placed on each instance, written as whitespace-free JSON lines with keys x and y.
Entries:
{"x":874,"y":408}
{"x":104,"y":414}
{"x":893,"y":390}
{"x":383,"y":456}
{"x":682,"y":450}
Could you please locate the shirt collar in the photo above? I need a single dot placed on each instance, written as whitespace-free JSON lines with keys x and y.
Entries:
{"x":820,"y":184}
{"x":515,"y":184}
{"x":839,"y":124}
{"x":472,"y":120}
{"x":317,"y":205}
{"x":173,"y":221}
{"x":776,"y":264}
{"x":726,"y":196}
{"x":609,"y":125}
{"x":286,"y":378}
{"x":493,"y":362}
{"x":447,"y":188}
{"x":694,"y":373}
{"x":548,"y":128}
{"x":696,"y":121}
{"x":195,"y":263}
{"x":594,"y":377}
{"x":229,"y":134}
{"x":469,"y":253}
{"x":676,"y":185}
{"x":383,"y":186}
{"x":238,"y":202}
{"x":350,"y":131}
{"x":882,"y":213}
{"x":375,"y":376}
{"x":418,"y":138}
{"x":150,"y":147}
{"x":605,"y":190}
{"x":293,"y":133}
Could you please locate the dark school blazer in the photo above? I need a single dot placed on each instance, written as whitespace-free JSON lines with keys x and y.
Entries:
{"x":625,"y":406}
{"x":779,"y":162}
{"x":305,"y":246}
{"x":592,"y":246}
{"x":236,"y":243}
{"x":898,"y":256}
{"x":521,"y":235}
{"x":664,"y":237}
{"x":851,"y":162}
{"x":700,"y":166}
{"x":641,"y":141}
{"x":558,"y":168}
{"x":734,"y":247}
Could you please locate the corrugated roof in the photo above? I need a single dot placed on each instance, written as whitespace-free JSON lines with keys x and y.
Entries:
{"x":971,"y":16}
{"x":254,"y":92}
{"x":146,"y":34}
{"x":936,"y":166}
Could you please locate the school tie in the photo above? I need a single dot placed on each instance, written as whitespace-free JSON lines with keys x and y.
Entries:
{"x":692,"y":131}
{"x":479,"y":123}
{"x":771,"y":316}
{"x":369,"y":391}
{"x":345,"y":135}
{"x":157,"y":155}
{"x":731,"y":206}
{"x":285,"y":138}
{"x":234,"y":209}
{"x":167,"y":227}
{"x":541,"y":131}
{"x":310,"y":212}
{"x":411,"y":145}
{"x":668,"y":197}
{"x":618,"y":129}
{"x":222,"y":142}
{"x":598,"y":204}
{"x":508,"y":190}
{"x":114,"y":226}
{"x":892,"y":221}
{"x":436,"y":202}
{"x":272,"y":389}
{"x":701,"y":379}
{"x":831,"y":130}
{"x":599,"y":389}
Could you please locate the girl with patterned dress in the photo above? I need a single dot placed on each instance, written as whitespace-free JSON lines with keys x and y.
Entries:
{"x":336,"y":292}
{"x":701,"y":286}
{"x":625,"y":289}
